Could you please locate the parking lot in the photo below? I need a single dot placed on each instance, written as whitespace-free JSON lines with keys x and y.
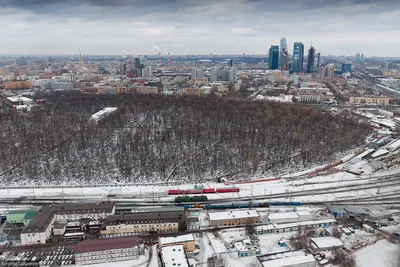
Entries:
{"x":55,"y":256}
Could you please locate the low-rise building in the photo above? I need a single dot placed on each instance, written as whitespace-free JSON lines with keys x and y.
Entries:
{"x":236,"y":217}
{"x":294,"y":226}
{"x":109,"y":250}
{"x":245,"y":248}
{"x":147,"y":90}
{"x":284,"y":217}
{"x":187,"y":241}
{"x":362,"y":100}
{"x":18,"y":102}
{"x":174,"y":256}
{"x":143,"y":223}
{"x":40,"y":228}
{"x":196,"y":91}
{"x":325,"y":243}
{"x":59,"y":228}
{"x":286,"y":259}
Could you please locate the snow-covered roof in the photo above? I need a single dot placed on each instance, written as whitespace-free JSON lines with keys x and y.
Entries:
{"x":283,"y":215}
{"x":245,"y":245}
{"x":176,"y":239}
{"x":236,"y":214}
{"x":365,"y":153}
{"x":293,"y":258}
{"x":327,"y":242}
{"x":18,"y":98}
{"x":379,"y":153}
{"x":173,"y":256}
{"x":304,"y":213}
{"x":306,"y":223}
{"x":102,"y":113}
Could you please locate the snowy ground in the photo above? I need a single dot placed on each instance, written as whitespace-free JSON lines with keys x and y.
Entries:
{"x":381,"y":254}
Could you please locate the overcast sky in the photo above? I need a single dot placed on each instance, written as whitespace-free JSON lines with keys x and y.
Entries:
{"x":198,"y":26}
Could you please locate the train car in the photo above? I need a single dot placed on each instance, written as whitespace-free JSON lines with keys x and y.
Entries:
{"x":227,"y":190}
{"x":209,"y":190}
{"x":173,"y":192}
{"x":191,"y":199}
{"x":246,"y":205}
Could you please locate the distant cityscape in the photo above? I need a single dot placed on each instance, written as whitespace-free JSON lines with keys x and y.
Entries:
{"x":281,"y":159}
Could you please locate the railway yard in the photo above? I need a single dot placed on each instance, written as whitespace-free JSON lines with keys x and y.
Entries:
{"x":232,"y":220}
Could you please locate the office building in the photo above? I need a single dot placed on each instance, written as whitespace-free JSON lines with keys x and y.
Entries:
{"x":311,"y":60}
{"x":318,"y":56}
{"x":346,"y":67}
{"x":122,"y":68}
{"x":298,"y":57}
{"x":138,"y":64}
{"x":283,"y":56}
{"x":230,"y":63}
{"x":273,"y":57}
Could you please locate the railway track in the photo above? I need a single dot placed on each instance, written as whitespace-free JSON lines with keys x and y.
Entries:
{"x":152,"y":201}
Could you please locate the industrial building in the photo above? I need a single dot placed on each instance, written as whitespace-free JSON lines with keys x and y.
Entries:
{"x":294,"y":226}
{"x":187,"y":241}
{"x":236,"y":217}
{"x":286,"y":259}
{"x":325,"y":243}
{"x":174,"y":256}
{"x":109,"y":250}
{"x":285,"y":217}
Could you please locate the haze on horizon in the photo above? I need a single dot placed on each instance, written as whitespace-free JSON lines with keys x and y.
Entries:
{"x":198,"y":27}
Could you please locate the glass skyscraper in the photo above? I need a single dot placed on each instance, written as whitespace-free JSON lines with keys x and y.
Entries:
{"x":274,"y":57}
{"x":298,"y":57}
{"x":283,"y":56}
{"x":311,"y":60}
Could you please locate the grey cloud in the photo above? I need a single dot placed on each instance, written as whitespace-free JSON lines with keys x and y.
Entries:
{"x":192,"y":26}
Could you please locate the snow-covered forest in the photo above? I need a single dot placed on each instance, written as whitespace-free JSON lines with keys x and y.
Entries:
{"x":160,"y":138}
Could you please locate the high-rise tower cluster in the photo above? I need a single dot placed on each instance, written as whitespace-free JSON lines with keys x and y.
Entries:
{"x":279,"y":58}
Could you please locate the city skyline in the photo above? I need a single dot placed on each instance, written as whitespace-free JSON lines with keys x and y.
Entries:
{"x":189,"y":27}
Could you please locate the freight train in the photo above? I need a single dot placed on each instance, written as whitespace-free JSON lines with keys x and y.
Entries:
{"x":239,"y":205}
{"x":203,"y":191}
{"x":191,"y":199}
